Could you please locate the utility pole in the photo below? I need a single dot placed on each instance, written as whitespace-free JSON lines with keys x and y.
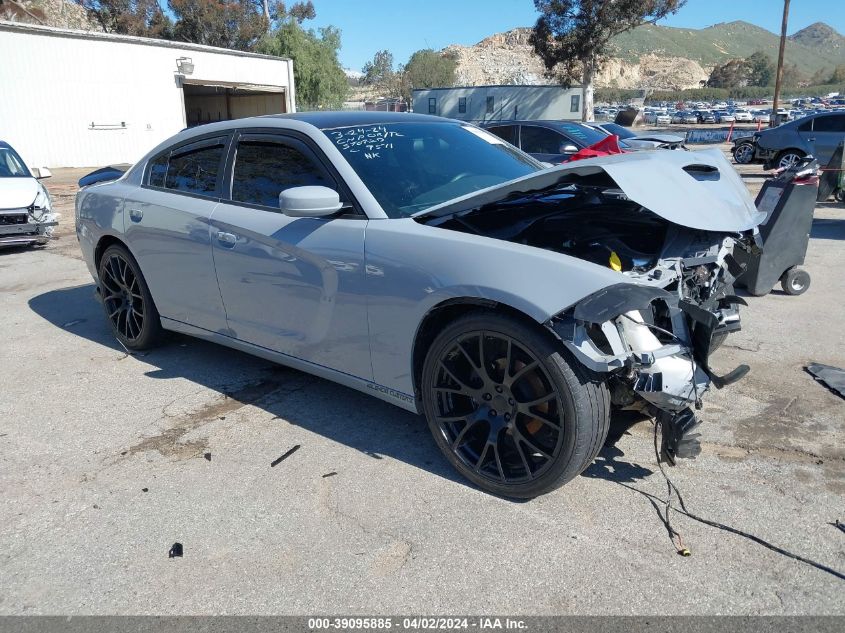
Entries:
{"x":779,"y":73}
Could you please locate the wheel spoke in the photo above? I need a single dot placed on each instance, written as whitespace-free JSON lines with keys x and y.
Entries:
{"x":531,"y":445}
{"x":465,"y":386}
{"x":499,"y":461}
{"x":540,"y":418}
{"x":460,"y":436}
{"x":522,"y":457}
{"x":480,"y":461}
{"x":530,"y":366}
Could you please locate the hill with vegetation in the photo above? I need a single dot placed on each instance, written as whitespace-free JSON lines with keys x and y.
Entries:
{"x":811,"y":49}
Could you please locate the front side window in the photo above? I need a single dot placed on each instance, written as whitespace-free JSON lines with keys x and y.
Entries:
{"x":409,"y":167}
{"x":540,"y":140}
{"x":192,"y":169}
{"x":263,"y":169}
{"x":432,"y":106}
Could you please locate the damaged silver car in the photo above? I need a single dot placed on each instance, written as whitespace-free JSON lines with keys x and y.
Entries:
{"x":26,"y":211}
{"x":435,"y":266}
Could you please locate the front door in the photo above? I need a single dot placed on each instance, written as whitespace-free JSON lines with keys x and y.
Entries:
{"x":292,"y":285}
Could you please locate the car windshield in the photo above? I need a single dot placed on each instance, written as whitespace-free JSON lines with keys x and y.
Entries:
{"x":583,"y":134}
{"x":618,"y":130}
{"x":409,"y":167}
{"x":11,"y":165}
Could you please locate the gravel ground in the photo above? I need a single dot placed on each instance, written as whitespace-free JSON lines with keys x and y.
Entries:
{"x":106,"y":460}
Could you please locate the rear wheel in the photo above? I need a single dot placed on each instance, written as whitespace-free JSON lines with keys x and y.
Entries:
{"x":789,"y":158}
{"x":127,"y":301}
{"x":508,"y":409}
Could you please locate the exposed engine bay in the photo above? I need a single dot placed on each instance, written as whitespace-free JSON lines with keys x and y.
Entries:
{"x":653,"y":333}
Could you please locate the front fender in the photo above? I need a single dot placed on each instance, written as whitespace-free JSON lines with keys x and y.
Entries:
{"x":413,"y":267}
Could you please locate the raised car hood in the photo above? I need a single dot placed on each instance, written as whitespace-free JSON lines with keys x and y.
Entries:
{"x":699,"y":190}
{"x":17,"y":193}
{"x":660,"y":138}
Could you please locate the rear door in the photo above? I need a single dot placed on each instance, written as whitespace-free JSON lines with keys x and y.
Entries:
{"x":292,"y":285}
{"x":828,"y":132}
{"x":166,"y":228}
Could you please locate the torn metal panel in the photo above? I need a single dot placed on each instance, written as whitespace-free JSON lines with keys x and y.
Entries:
{"x":831,"y":377}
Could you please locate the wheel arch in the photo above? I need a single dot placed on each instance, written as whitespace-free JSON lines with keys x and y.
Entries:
{"x":449,"y":310}
{"x":104,"y":242}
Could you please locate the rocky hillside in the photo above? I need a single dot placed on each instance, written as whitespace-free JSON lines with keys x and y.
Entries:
{"x":651,"y":56}
{"x":60,"y":13}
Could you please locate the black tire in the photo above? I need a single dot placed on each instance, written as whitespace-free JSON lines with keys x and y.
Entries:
{"x":795,"y":281}
{"x":788,"y":157}
{"x":839,"y":195}
{"x":127,"y":301}
{"x":562,"y":440}
{"x":744,"y":153}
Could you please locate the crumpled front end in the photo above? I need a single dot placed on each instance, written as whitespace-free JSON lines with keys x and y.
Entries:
{"x":33,"y":224}
{"x":656,"y":348}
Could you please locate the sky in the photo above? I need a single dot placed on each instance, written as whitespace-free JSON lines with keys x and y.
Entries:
{"x":405,"y":26}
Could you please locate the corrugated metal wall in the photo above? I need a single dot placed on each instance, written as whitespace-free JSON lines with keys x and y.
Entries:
{"x":67,"y":100}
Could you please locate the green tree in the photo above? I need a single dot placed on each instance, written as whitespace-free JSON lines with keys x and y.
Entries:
{"x":761,"y":69}
{"x":379,"y":71}
{"x":734,"y":73}
{"x":428,"y":69}
{"x":837,"y":76}
{"x":129,"y":17}
{"x":572,"y":37}
{"x":319,"y":78}
{"x":237,"y":24}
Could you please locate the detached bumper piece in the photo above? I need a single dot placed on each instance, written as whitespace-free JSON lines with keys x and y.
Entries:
{"x":678,"y":437}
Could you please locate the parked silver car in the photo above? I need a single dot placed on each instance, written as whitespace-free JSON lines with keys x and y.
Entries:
{"x":817,"y":135}
{"x":433,"y":265}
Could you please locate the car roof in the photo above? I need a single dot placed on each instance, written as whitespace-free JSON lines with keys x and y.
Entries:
{"x":346,"y":118}
{"x":5,"y":144}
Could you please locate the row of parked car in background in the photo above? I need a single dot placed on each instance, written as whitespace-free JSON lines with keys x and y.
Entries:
{"x":724,"y":112}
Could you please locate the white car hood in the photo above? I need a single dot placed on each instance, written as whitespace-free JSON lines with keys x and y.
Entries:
{"x":656,"y":180}
{"x":662,"y":138}
{"x":18,"y":192}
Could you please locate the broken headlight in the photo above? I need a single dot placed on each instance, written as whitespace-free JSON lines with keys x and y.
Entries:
{"x":42,"y":205}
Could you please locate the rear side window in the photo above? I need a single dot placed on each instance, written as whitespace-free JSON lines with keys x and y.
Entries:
{"x":194,"y":169}
{"x":506,"y":132}
{"x":831,"y":123}
{"x":263,"y":169}
{"x":158,"y":170}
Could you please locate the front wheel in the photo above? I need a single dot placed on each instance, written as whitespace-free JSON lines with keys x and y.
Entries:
{"x":509,"y":410}
{"x":744,"y":153}
{"x":127,"y":301}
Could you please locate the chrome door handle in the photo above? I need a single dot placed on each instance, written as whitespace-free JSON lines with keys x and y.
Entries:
{"x":227,"y":239}
{"x":136,"y":215}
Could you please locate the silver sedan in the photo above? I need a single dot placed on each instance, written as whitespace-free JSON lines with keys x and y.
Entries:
{"x":433,"y":265}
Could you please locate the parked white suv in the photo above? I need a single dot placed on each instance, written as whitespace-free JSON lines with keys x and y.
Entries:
{"x":26,"y":211}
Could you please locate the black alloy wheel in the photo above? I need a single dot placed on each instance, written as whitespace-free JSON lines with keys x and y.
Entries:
{"x":127,"y":301}
{"x":506,"y":408}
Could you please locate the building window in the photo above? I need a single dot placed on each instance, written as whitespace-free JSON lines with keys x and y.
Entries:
{"x":432,"y":106}
{"x":490,"y":105}
{"x":462,"y":105}
{"x":575,"y":103}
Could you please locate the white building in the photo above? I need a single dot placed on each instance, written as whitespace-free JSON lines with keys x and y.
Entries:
{"x":501,"y":103}
{"x":80,"y":99}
